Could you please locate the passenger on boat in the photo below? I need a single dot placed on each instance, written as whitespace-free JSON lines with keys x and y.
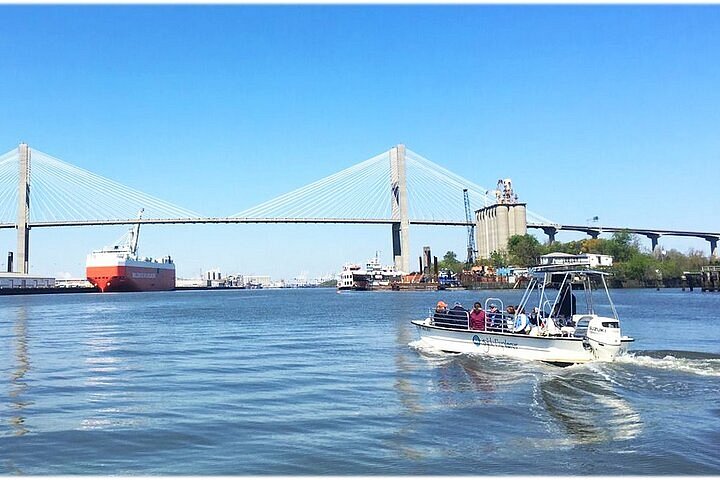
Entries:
{"x":458,"y":307}
{"x":477,"y":317}
{"x":493,"y":318}
{"x":534,"y":314}
{"x":510,"y":309}
{"x":441,"y":307}
{"x":522,"y":325}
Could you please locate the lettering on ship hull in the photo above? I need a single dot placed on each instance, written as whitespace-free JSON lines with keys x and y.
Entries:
{"x":131,"y":278}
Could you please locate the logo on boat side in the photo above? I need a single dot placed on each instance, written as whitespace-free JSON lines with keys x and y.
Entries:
{"x":476,"y":340}
{"x":492,"y":342}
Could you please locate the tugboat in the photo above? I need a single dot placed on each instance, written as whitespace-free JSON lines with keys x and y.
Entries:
{"x":119,"y":269}
{"x":557,"y":328}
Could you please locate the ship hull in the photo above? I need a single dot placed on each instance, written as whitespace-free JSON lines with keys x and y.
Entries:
{"x":132,"y":278}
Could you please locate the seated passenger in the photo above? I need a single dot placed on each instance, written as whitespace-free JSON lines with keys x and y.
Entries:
{"x":477,"y":317}
{"x":534,"y":314}
{"x":521,"y":322}
{"x":458,"y":306}
{"x":441,"y":307}
{"x":493,"y":316}
{"x":510,"y":309}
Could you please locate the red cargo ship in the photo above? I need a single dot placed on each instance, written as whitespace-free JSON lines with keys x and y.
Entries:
{"x":118,"y":268}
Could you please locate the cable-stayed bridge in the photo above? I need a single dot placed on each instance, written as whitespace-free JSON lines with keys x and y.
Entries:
{"x":65,"y":195}
{"x":398,"y":188}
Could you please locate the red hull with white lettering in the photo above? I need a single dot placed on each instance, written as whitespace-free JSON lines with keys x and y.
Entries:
{"x":135,"y":278}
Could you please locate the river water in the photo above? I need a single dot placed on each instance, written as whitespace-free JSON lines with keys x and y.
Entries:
{"x":312,"y":382}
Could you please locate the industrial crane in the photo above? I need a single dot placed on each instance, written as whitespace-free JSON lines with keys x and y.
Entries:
{"x":471,"y":250}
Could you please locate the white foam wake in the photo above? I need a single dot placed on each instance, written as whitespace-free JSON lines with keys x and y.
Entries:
{"x":697,"y":366}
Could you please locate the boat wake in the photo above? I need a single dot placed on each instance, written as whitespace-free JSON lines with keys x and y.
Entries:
{"x":431,"y":353}
{"x":427,"y":348}
{"x":499,"y":370}
{"x":585,"y":401}
{"x":698,"y":363}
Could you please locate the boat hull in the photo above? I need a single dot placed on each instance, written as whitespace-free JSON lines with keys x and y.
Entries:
{"x":132,"y":278}
{"x":556,"y":350}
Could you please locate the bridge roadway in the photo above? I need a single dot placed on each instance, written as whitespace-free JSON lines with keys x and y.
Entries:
{"x":549,"y":229}
{"x":169,"y":221}
{"x":653,"y":234}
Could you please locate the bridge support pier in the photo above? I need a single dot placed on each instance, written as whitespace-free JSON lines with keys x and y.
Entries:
{"x":550,"y":232}
{"x":653,"y":240}
{"x":23,"y":230}
{"x":398,"y":193}
{"x":713,"y":247}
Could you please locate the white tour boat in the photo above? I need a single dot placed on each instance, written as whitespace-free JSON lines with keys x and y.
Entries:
{"x":550,"y":324}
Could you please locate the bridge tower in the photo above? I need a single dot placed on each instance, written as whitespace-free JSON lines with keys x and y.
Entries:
{"x":23,"y":230}
{"x":398,"y":194}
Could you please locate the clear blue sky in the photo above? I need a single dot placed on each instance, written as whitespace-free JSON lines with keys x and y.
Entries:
{"x":611,"y":111}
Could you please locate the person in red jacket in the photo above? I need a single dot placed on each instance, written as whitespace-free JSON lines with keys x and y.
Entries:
{"x":477,"y":317}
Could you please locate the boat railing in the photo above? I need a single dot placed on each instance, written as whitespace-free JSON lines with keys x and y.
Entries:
{"x":499,"y":322}
{"x":451,"y":318}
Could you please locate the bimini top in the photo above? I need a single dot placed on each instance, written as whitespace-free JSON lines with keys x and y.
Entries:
{"x":566,"y":269}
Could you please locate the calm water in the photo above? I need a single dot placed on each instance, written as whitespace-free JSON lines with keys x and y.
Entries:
{"x":314,"y":382}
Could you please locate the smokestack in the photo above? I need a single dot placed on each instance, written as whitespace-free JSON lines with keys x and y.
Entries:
{"x":10,"y":262}
{"x":420,"y":263}
{"x":428,"y":258}
{"x":435,"y":266}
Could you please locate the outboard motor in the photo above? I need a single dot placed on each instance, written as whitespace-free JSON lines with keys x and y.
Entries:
{"x":603,"y":335}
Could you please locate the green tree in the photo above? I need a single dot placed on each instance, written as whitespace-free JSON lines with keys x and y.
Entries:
{"x":450,"y":262}
{"x":498,"y":259}
{"x":524,"y":250}
{"x":637,"y":267}
{"x":623,"y":246}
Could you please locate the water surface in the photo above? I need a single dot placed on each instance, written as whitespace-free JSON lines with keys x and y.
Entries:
{"x":309,"y":381}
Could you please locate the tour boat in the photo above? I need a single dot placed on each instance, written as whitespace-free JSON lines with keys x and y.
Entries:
{"x":549,"y":324}
{"x":119,"y":269}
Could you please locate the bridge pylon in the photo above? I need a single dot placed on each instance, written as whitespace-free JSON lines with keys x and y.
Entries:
{"x":399,"y":199}
{"x":23,"y":217}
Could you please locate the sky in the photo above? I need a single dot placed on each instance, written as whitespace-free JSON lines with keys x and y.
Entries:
{"x":608,"y":111}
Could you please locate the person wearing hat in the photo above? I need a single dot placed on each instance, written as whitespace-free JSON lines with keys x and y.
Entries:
{"x":441,"y":307}
{"x":493,"y":316}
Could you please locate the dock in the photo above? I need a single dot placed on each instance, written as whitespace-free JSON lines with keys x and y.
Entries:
{"x":707,"y":279}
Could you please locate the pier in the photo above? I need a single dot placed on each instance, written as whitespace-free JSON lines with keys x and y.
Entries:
{"x":707,"y":279}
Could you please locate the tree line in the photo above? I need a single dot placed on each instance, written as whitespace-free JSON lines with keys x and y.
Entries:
{"x":630,"y":261}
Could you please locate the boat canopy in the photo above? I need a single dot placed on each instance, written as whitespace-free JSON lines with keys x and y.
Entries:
{"x":566,"y":280}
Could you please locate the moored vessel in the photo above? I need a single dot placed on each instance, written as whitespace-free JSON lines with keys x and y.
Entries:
{"x":374,"y":276}
{"x":549,"y":324}
{"x":119,"y":269}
